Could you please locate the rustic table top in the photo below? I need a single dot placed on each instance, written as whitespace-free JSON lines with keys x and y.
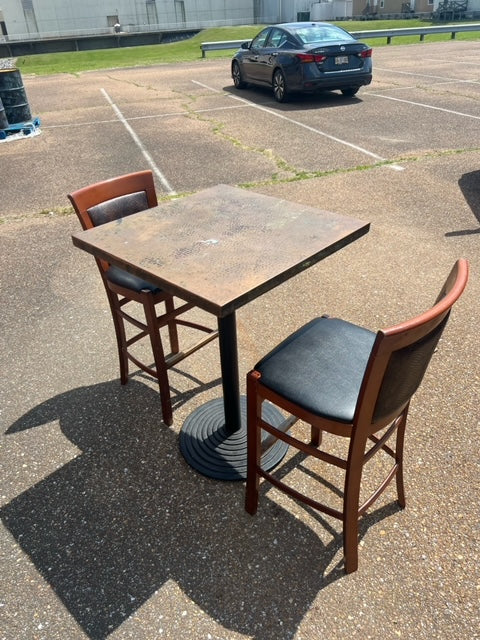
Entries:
{"x":222,"y":246}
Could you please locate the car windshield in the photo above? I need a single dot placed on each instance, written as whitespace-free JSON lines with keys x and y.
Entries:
{"x":308,"y":34}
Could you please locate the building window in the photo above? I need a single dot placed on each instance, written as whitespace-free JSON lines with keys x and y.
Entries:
{"x":29,"y":13}
{"x":152,"y":15}
{"x":180,"y":11}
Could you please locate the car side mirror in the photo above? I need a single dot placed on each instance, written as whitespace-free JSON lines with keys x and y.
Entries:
{"x":245,"y":45}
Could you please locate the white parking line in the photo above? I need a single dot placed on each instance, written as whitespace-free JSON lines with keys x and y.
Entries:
{"x":440,"y":84}
{"x":439,"y":60}
{"x":90,"y":123}
{"x":205,"y":86}
{"x":155,"y":116}
{"x":425,"y":75}
{"x":139,"y":144}
{"x":426,"y":106}
{"x":395,"y":167}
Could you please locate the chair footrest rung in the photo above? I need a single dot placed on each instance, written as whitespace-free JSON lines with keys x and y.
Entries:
{"x":173,"y":358}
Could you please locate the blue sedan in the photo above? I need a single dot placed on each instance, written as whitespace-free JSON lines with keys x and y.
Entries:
{"x":303,"y":57}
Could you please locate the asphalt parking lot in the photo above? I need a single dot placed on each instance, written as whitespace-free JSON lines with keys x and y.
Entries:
{"x":107,"y":532}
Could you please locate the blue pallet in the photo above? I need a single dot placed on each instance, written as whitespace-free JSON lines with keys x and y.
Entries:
{"x":27,"y":128}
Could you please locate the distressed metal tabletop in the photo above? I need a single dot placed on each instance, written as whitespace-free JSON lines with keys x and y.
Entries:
{"x":222,"y":246}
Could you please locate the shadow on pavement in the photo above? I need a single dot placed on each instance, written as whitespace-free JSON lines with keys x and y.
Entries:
{"x":469,"y":184}
{"x":112,"y":526}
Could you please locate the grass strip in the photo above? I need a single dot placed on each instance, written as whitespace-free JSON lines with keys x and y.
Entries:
{"x":75,"y":62}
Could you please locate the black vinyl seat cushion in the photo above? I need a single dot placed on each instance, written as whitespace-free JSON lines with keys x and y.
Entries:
{"x":128,"y":280}
{"x":320,"y":367}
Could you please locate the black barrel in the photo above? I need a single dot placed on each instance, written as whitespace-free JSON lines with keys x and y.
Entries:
{"x":13,"y":96}
{"x":3,"y":117}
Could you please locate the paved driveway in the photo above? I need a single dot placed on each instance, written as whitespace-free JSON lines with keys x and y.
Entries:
{"x":194,"y":129}
{"x":107,"y":532}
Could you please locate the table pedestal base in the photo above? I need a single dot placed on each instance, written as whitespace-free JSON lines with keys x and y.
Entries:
{"x":212,"y":450}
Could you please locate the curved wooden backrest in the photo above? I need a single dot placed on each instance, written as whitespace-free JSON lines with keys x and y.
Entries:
{"x":401,"y":355}
{"x":90,"y":197}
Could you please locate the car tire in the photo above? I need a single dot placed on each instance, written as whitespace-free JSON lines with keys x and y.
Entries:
{"x":237,"y":76}
{"x":350,"y":91}
{"x":279,"y":86}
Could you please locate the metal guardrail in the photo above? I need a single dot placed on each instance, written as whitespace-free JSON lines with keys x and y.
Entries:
{"x":453,"y":29}
{"x":223,"y":44}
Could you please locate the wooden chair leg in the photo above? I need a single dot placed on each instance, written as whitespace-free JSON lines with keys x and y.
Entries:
{"x":172,"y":327}
{"x":350,"y":540}
{"x":120,"y":334}
{"x":351,"y":499}
{"x":254,"y":434}
{"x":316,"y":437}
{"x":399,"y":458}
{"x":159,"y":358}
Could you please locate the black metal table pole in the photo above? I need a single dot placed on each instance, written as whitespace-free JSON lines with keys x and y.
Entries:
{"x":213,"y":439}
{"x":227,"y":339}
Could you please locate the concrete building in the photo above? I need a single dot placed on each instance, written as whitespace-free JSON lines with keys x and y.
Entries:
{"x":67,"y":17}
{"x":335,"y":9}
{"x":26,"y":19}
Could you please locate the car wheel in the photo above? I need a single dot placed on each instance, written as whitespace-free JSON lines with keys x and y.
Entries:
{"x":237,"y":76}
{"x":350,"y":91}
{"x":279,"y":86}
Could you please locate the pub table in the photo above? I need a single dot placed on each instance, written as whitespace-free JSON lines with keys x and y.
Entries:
{"x":220,"y":248}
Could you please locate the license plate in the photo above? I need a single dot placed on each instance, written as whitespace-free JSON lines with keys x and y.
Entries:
{"x":341,"y":60}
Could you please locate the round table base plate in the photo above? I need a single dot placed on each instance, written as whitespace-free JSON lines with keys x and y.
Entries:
{"x":209,"y":448}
